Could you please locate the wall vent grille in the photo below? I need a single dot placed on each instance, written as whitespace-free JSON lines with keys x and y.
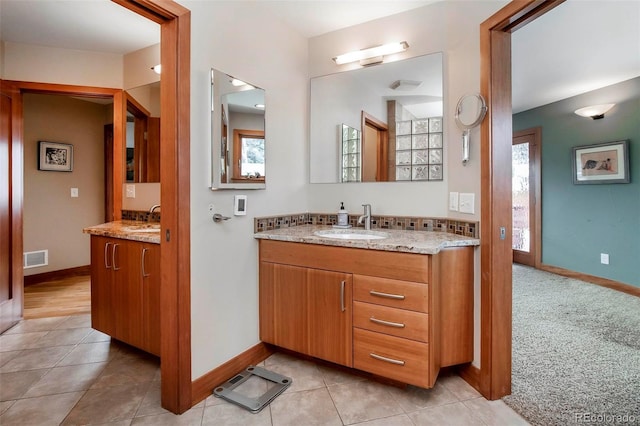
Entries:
{"x":34,"y":259}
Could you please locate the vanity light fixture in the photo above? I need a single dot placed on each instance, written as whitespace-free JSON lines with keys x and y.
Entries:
{"x":595,"y":112}
{"x":372,"y":55}
{"x":157,"y":68}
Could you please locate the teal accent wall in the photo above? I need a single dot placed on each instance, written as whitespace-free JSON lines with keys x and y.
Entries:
{"x":581,"y":221}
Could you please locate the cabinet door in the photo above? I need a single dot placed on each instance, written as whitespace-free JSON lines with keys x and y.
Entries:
{"x":102,"y":291}
{"x":329,"y":316}
{"x":127,"y":270}
{"x":283,"y":299}
{"x":150,"y":276}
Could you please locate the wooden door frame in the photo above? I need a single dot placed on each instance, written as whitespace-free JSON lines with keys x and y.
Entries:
{"x":494,"y":377}
{"x":175,"y":255}
{"x":534,"y":136}
{"x":382,"y":145}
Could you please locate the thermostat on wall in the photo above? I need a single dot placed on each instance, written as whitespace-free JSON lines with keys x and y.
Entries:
{"x":240,"y":205}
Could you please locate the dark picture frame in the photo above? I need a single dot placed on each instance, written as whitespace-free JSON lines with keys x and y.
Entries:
{"x":55,"y":156}
{"x":600,"y":163}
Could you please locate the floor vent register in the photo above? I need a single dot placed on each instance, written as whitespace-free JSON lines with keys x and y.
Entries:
{"x":246,"y":389}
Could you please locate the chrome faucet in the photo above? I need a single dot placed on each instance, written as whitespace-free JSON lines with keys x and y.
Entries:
{"x":154,"y":207}
{"x":366,"y":217}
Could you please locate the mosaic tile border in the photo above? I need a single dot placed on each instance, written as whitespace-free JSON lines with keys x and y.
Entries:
{"x":143,"y":216}
{"x":404,"y":223}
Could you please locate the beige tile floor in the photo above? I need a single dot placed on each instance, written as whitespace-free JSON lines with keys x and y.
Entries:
{"x":59,"y":371}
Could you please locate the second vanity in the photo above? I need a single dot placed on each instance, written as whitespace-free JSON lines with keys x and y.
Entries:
{"x":125,"y":282}
{"x":399,"y":307}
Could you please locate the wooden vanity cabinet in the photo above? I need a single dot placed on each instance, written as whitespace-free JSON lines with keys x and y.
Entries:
{"x":125,"y":291}
{"x":306,"y":310}
{"x":405,"y":316}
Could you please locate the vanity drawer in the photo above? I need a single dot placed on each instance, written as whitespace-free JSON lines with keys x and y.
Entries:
{"x":393,"y":293}
{"x":396,"y":322}
{"x":393,"y":357}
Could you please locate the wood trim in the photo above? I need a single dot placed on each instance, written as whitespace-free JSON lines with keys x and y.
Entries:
{"x":175,"y":116}
{"x":65,"y":89}
{"x":204,"y":385}
{"x":496,"y":136}
{"x":382,"y":144}
{"x":604,"y":282}
{"x":237,"y":153}
{"x":471,"y":375}
{"x":57,"y":275}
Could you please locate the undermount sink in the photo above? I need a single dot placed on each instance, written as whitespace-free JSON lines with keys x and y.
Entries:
{"x":145,"y":229}
{"x":352,"y":234}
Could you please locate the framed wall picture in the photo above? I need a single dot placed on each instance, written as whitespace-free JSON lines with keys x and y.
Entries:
{"x":601,"y":163}
{"x":54,"y":156}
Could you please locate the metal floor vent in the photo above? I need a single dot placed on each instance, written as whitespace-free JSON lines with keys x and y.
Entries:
{"x":230,"y":391}
{"x":33,"y":259}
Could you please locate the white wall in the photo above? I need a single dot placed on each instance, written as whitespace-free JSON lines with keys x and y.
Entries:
{"x":236,"y":39}
{"x":26,"y":62}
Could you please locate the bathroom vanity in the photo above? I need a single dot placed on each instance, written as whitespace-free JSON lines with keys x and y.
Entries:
{"x":125,"y":282}
{"x":399,"y":307}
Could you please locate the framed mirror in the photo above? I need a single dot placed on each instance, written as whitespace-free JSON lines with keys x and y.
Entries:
{"x":238,"y":137}
{"x":142,"y":154}
{"x":382,"y":123}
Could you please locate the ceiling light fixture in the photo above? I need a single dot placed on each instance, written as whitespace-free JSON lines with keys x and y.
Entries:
{"x":595,"y":112}
{"x":372,"y":55}
{"x":405,"y":85}
{"x":157,"y":68}
{"x":261,"y":106}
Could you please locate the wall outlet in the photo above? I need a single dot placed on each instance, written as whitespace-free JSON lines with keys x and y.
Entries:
{"x":74,"y":192}
{"x":453,"y":201}
{"x":604,"y":258}
{"x":131,"y":191}
{"x":467,"y":203}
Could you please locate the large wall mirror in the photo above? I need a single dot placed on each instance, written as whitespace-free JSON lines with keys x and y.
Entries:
{"x":142,"y":154}
{"x":380,"y":123}
{"x":238,"y":139}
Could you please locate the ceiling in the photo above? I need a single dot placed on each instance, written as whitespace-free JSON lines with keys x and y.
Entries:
{"x":580,"y":46}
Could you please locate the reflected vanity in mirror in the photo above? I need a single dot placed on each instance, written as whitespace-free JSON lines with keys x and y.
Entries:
{"x":380,"y":123}
{"x":237,"y":138}
{"x":142,"y":162}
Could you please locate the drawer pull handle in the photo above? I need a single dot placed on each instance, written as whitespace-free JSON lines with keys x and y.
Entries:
{"x":387,"y":295}
{"x":388,"y":323}
{"x":113,"y":257}
{"x":385,"y":359}
{"x":342,"y":305}
{"x":142,"y":261}
{"x":106,"y":256}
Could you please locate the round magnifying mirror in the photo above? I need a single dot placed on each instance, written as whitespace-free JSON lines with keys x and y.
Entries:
{"x":470,"y":112}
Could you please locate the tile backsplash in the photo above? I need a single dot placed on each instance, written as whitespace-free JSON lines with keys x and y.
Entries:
{"x":143,"y":216}
{"x":406,"y":223}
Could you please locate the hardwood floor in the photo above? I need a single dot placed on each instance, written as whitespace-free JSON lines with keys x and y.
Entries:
{"x":69,"y":296}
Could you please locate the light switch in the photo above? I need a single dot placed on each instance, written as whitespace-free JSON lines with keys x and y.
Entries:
{"x":74,"y":192}
{"x":453,"y":201}
{"x":131,"y":191}
{"x":467,"y":203}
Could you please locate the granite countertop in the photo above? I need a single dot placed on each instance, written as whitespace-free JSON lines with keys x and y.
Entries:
{"x":148,"y":232}
{"x":422,"y":242}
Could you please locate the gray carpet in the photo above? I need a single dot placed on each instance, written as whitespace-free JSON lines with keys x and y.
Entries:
{"x":576,"y":351}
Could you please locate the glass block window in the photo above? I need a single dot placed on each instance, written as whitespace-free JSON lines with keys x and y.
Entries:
{"x":350,"y":144}
{"x":419,"y":147}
